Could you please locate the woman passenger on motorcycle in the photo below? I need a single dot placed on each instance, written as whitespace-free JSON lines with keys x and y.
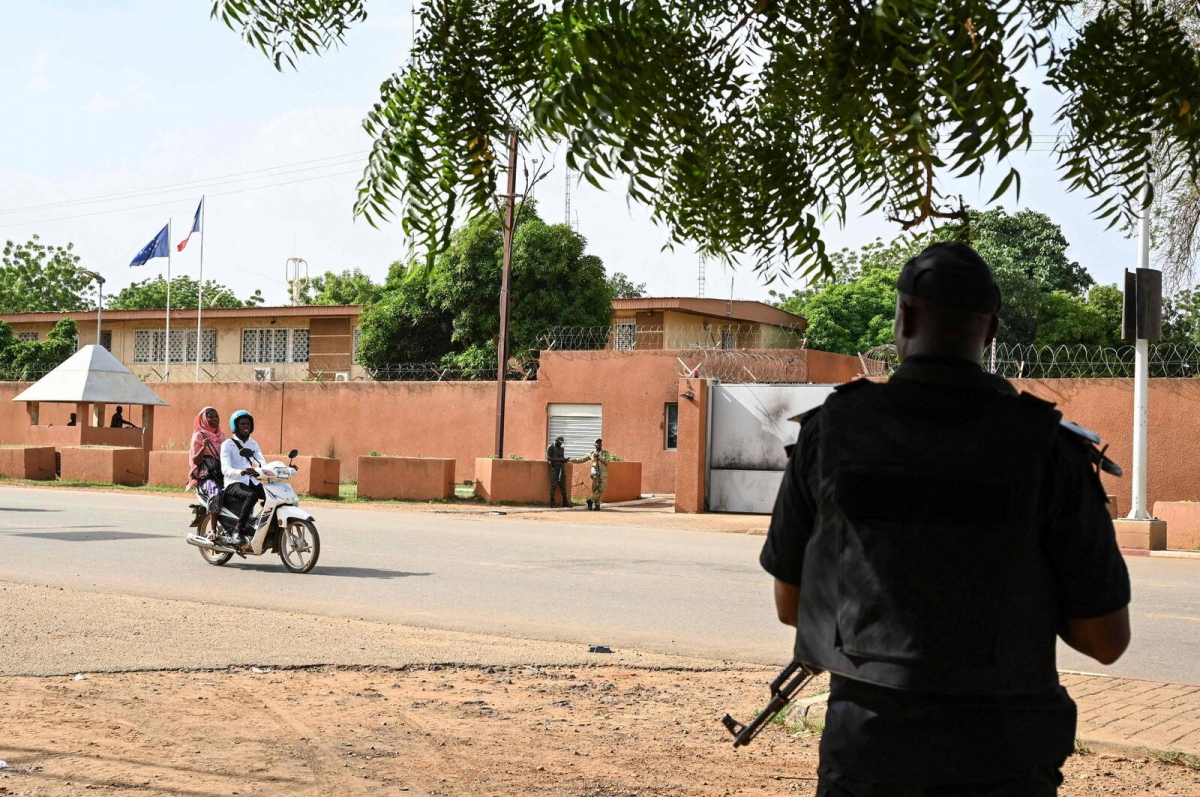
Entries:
{"x":240,"y":484}
{"x":205,"y":477}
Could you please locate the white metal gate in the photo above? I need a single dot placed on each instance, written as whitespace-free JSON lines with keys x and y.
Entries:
{"x":579,"y":424}
{"x":749,"y":427}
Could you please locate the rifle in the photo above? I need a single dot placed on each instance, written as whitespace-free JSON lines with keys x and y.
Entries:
{"x":789,"y":681}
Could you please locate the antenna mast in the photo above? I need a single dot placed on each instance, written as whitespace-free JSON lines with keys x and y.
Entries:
{"x":700,"y":279}
{"x":568,"y":199}
{"x":295,"y":271}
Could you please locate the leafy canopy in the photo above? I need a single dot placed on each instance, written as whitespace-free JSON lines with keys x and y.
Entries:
{"x":24,"y":360}
{"x":349,"y":287}
{"x":453,"y":316}
{"x":1046,"y":293}
{"x":151,"y":294}
{"x":36,"y":277}
{"x":746,"y":126}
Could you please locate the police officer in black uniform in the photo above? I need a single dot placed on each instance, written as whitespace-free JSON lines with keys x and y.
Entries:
{"x":932,"y":537}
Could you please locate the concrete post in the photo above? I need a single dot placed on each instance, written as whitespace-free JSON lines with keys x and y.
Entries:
{"x":34,"y":411}
{"x":691,"y":463}
{"x":98,"y":416}
{"x":148,"y":439}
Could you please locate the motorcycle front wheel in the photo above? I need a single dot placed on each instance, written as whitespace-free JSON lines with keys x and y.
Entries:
{"x":216,"y":558}
{"x":299,"y":546}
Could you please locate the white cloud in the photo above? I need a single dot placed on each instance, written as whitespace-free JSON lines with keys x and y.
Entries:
{"x":38,"y":79}
{"x":133,"y":93}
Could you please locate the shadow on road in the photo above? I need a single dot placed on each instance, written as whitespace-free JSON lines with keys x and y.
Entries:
{"x":341,"y":572}
{"x":90,"y":536}
{"x":25,"y":509}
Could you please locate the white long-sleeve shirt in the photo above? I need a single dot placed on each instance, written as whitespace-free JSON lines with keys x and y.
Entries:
{"x":233,"y":463}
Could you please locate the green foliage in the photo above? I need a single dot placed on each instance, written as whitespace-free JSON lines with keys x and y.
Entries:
{"x":347,"y":288}
{"x":454,"y":315}
{"x":853,"y":311}
{"x":35,"y":277}
{"x":624,"y":288}
{"x":151,"y":294}
{"x":745,"y":126}
{"x":33,"y":359}
{"x":1094,"y":320}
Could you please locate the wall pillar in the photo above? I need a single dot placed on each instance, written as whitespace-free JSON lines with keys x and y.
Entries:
{"x":148,"y":439}
{"x":82,"y":417}
{"x":691,"y":463}
{"x":34,"y":411}
{"x":98,"y":416}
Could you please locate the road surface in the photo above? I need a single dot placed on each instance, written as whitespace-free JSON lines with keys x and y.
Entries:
{"x":667,"y":591}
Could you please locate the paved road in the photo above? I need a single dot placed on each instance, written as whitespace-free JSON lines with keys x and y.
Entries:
{"x":668,"y":591}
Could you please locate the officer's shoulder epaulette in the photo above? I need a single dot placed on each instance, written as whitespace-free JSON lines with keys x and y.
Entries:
{"x":1091,"y":442}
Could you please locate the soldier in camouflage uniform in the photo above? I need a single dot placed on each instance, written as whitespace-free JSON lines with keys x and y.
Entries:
{"x":599,"y":459}
{"x":558,"y":470}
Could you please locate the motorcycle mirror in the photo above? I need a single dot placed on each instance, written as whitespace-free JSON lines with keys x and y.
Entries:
{"x":292,"y":454}
{"x":247,"y":453}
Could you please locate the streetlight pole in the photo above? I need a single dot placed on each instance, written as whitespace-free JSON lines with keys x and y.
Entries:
{"x":100,"y":306}
{"x":505,"y":278}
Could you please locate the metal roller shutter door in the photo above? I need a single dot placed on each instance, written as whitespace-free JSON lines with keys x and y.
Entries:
{"x":579,"y":424}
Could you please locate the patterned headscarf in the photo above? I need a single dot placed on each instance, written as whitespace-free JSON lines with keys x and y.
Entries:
{"x":207,"y":437}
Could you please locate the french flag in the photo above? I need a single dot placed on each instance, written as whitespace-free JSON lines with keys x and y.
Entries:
{"x":195,"y":226}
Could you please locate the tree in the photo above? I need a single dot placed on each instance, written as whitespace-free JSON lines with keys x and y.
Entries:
{"x":36,"y":277}
{"x":624,"y":288}
{"x":1094,"y":320}
{"x":349,"y":287}
{"x":454,"y":316}
{"x":34,"y":359}
{"x":151,"y":294}
{"x":1027,"y":252}
{"x":744,"y":126}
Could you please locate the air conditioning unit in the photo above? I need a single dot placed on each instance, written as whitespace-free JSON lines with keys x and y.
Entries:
{"x":341,"y":376}
{"x":264,"y":374}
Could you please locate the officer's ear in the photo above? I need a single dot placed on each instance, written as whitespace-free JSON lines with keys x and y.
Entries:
{"x":993,"y":328}
{"x":906,"y":318}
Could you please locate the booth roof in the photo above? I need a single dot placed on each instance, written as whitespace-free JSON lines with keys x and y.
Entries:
{"x":93,"y":376}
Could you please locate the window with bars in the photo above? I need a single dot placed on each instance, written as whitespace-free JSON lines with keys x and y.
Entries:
{"x":354,"y":350}
{"x":150,"y":345}
{"x":27,"y":337}
{"x":625,"y":335}
{"x":274,"y":345}
{"x":106,"y":338}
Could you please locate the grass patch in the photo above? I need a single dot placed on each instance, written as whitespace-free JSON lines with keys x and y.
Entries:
{"x":795,"y":728}
{"x":1178,"y":759}
{"x":67,"y":483}
{"x":1081,"y":747}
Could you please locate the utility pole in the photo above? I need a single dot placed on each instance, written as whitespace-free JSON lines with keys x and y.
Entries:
{"x":505,"y":276}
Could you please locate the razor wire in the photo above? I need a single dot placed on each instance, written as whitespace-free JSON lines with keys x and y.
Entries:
{"x":742,"y":367}
{"x":1167,"y":360}
{"x":632,"y":337}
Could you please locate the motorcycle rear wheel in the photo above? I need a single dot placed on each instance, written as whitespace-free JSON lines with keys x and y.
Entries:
{"x":299,"y":546}
{"x":215,"y":558}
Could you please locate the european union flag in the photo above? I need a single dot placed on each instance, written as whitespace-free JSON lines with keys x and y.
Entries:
{"x":159,"y":247}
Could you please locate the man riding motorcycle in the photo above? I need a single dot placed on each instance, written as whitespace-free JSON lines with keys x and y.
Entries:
{"x":240,"y":484}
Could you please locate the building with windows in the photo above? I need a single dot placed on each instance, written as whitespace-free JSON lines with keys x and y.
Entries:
{"x":245,"y":344}
{"x":284,"y":344}
{"x":697,"y":323}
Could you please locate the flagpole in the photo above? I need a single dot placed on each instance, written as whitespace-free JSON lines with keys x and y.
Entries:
{"x":167,"y":347}
{"x":200,"y":292}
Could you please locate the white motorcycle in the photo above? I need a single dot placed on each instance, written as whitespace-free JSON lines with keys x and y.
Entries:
{"x":281,"y":526}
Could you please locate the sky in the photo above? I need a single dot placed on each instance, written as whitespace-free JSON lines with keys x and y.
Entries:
{"x":119,"y":114}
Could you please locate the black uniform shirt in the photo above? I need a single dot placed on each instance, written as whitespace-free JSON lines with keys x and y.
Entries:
{"x":883,"y":735}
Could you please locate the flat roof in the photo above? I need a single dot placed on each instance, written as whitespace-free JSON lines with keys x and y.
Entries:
{"x":735,"y":310}
{"x":304,"y":310}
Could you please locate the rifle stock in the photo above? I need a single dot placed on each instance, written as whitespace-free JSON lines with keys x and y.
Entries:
{"x":785,"y":685}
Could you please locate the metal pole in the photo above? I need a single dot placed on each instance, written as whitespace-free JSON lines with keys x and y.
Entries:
{"x":1141,"y":382}
{"x":505,"y":275}
{"x":200,"y":293}
{"x":100,"y":313}
{"x":167,"y":342}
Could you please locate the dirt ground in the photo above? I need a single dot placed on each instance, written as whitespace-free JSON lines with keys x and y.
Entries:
{"x":561,"y":732}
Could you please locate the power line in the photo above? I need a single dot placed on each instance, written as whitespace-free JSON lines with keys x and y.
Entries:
{"x":151,"y":191}
{"x":178,"y":201}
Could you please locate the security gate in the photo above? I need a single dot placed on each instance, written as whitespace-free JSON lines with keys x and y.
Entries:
{"x":749,"y":427}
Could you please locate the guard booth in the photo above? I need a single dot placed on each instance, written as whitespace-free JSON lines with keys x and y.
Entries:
{"x":92,"y":380}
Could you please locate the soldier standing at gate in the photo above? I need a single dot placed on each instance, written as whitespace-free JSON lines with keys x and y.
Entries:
{"x":599,"y":459}
{"x":558,"y":470}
